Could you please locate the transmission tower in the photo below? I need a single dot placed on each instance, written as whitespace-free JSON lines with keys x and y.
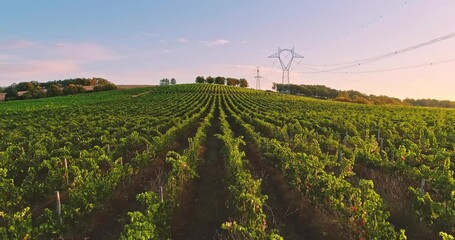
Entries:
{"x":258,"y":78}
{"x":286,"y":66}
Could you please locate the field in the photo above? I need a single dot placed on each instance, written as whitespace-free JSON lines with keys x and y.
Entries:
{"x":204,"y":161}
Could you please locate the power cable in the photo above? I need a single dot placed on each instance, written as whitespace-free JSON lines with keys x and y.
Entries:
{"x":364,"y":61}
{"x":361,"y":27}
{"x":387,"y":69}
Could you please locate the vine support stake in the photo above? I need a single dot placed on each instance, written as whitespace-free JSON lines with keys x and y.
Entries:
{"x":161,"y":194}
{"x":66,"y":172}
{"x":379,"y":134}
{"x":340,"y":156}
{"x":123,"y":178}
{"x":59,"y":206}
{"x":422,"y":187}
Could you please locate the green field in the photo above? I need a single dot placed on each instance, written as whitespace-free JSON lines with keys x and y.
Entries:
{"x":204,"y":161}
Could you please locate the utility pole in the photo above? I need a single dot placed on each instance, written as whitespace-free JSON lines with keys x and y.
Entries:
{"x":286,"y":66}
{"x":258,"y":78}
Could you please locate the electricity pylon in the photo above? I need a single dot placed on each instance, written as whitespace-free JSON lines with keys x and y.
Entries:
{"x":286,"y":66}
{"x":258,"y":78}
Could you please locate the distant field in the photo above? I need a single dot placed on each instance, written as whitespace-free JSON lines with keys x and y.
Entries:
{"x":204,"y":161}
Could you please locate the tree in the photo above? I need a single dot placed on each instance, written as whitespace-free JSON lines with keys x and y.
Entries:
{"x":34,"y":91}
{"x":200,"y":79}
{"x":105,"y":87}
{"x":173,"y":81}
{"x":274,"y":86}
{"x":73,"y":89}
{"x":164,"y":82}
{"x":230,"y":81}
{"x":220,"y":80}
{"x":11,"y":93}
{"x":54,"y":90}
{"x":210,"y":80}
{"x":243,"y":83}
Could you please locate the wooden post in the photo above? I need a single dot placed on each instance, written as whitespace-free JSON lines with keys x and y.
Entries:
{"x":422,"y":187}
{"x":108,"y":148}
{"x":59,"y":206}
{"x":123,"y":178}
{"x":340,"y":156}
{"x":66,"y":173}
{"x":379,"y":134}
{"x":345,"y":140}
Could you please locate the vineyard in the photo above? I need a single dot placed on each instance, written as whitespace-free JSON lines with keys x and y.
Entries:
{"x":205,"y":161}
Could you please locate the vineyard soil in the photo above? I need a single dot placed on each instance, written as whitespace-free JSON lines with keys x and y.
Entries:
{"x":202,"y":207}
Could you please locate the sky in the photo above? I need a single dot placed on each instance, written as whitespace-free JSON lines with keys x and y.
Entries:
{"x":141,"y":42}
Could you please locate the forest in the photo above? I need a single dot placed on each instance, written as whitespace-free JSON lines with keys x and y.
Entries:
{"x":34,"y":89}
{"x":323,"y":92}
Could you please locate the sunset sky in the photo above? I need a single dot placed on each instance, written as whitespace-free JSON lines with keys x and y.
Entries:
{"x":141,"y":42}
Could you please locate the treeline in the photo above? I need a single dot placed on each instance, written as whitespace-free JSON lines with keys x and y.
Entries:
{"x":34,"y":89}
{"x":223,"y":81}
{"x":323,"y":92}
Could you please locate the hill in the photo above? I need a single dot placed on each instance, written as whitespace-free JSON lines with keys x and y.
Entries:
{"x":202,"y":161}
{"x":323,"y":92}
{"x":33,"y":89}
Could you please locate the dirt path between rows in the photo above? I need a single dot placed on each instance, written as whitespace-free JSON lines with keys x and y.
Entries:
{"x":202,"y":206}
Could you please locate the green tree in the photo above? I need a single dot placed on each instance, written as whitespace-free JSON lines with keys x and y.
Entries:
{"x":210,"y":80}
{"x":200,"y":79}
{"x":11,"y":93}
{"x":231,"y":81}
{"x":54,"y":90}
{"x":164,"y":82}
{"x":243,"y":83}
{"x":105,"y":87}
{"x":173,"y":81}
{"x":73,"y":89}
{"x":220,"y":80}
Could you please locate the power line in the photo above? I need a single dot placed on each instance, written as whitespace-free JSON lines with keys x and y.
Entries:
{"x":387,"y":69}
{"x":364,"y":61}
{"x":360,"y":27}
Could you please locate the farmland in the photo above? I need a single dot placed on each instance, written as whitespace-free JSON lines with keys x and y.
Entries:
{"x":204,"y":161}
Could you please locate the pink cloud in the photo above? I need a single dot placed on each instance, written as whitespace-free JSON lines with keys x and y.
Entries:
{"x":84,"y":52}
{"x":183,"y":40}
{"x":5,"y":57}
{"x":18,"y":44}
{"x":33,"y":70}
{"x":215,"y":43}
{"x":26,"y":60}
